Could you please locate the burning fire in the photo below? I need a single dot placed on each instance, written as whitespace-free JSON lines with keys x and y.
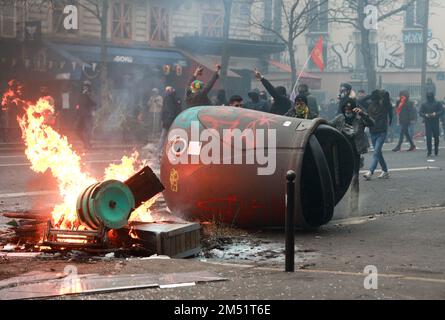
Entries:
{"x":48,"y":150}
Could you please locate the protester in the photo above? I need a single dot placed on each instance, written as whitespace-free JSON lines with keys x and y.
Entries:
{"x":300,"y":109}
{"x":85,"y":112}
{"x":198,"y":91}
{"x":265,"y":98}
{"x":431,"y":111}
{"x":170,"y":110}
{"x":345,"y":93}
{"x":407,"y":115}
{"x":314,"y":108}
{"x":381,"y":113}
{"x":221,"y":99}
{"x":236,"y":101}
{"x":352,"y":123}
{"x":154,"y":104}
{"x":281,"y":103}
{"x":256,"y":103}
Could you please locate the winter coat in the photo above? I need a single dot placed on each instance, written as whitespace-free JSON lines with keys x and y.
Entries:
{"x":431,"y":107}
{"x":281,"y":104}
{"x":200,"y":97}
{"x":408,"y":113}
{"x":170,"y":110}
{"x":355,"y":131}
{"x":382,"y":116}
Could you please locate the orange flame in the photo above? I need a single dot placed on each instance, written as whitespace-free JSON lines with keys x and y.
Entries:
{"x":48,"y":150}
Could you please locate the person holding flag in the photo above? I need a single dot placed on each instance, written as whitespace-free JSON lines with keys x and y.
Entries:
{"x":316,"y":56}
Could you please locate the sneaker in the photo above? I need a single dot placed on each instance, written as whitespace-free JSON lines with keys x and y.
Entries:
{"x":412,"y":148}
{"x":384,"y":175}
{"x":368,"y":175}
{"x":396,"y":149}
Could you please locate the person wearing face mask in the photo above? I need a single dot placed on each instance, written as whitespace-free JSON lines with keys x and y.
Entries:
{"x":431,"y":111}
{"x":300,"y":109}
{"x":352,"y":123}
{"x":407,"y":115}
{"x":303,"y":90}
{"x":345,"y":93}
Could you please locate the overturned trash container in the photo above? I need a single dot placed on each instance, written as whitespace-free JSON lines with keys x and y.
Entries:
{"x":110,"y":203}
{"x":224,"y":164}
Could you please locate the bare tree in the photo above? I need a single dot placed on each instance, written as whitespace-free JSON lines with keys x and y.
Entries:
{"x":99,"y":9}
{"x":352,"y":12}
{"x":299,"y":16}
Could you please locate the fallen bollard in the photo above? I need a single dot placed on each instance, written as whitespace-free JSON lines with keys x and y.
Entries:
{"x":111,"y":202}
{"x":209,"y":185}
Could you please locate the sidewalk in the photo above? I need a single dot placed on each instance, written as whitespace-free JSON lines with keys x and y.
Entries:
{"x":407,"y":250}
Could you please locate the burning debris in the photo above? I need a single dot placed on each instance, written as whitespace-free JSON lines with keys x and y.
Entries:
{"x":91,"y":208}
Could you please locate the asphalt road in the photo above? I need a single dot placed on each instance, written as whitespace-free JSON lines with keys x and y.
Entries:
{"x":415,"y":182}
{"x":406,"y":248}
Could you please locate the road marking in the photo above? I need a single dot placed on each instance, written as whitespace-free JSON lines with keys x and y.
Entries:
{"x":27,"y":194}
{"x":333,"y":272}
{"x":406,"y":169}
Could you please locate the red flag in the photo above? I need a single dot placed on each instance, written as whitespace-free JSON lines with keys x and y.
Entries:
{"x":317,"y":54}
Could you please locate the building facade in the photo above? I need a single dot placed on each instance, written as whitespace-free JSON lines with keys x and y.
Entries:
{"x":396,"y":44}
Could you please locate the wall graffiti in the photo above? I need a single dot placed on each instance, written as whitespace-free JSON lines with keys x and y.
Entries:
{"x":390,"y":54}
{"x":435,"y":48}
{"x":344,"y":54}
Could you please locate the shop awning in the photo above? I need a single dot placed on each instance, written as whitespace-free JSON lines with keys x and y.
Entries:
{"x":143,"y":56}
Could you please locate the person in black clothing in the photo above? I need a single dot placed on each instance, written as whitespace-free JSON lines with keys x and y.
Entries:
{"x":197,"y":94}
{"x":256,"y":103}
{"x":303,"y":90}
{"x":171,"y":108}
{"x":236,"y":101}
{"x":221,"y":99}
{"x":381,"y":112}
{"x":345,"y":93}
{"x":407,"y":114}
{"x":431,"y":111}
{"x":265,"y":98}
{"x":281,"y":103}
{"x":85,"y":114}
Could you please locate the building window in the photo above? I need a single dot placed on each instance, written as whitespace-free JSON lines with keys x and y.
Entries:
{"x":122,"y":20}
{"x":7,"y":20}
{"x":159,"y":24}
{"x":413,"y":55}
{"x":415,"y":14}
{"x":319,"y":14}
{"x":59,"y":17}
{"x":212,"y":25}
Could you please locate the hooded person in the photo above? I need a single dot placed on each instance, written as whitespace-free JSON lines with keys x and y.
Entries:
{"x":431,"y":111}
{"x":281,"y":103}
{"x":345,"y":92}
{"x":221,"y":99}
{"x":406,"y":114}
{"x":381,"y":113}
{"x":352,"y":123}
{"x":85,"y":112}
{"x":197,"y":94}
{"x":303,"y":90}
{"x":300,"y":109}
{"x":256,"y":103}
{"x":170,"y":110}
